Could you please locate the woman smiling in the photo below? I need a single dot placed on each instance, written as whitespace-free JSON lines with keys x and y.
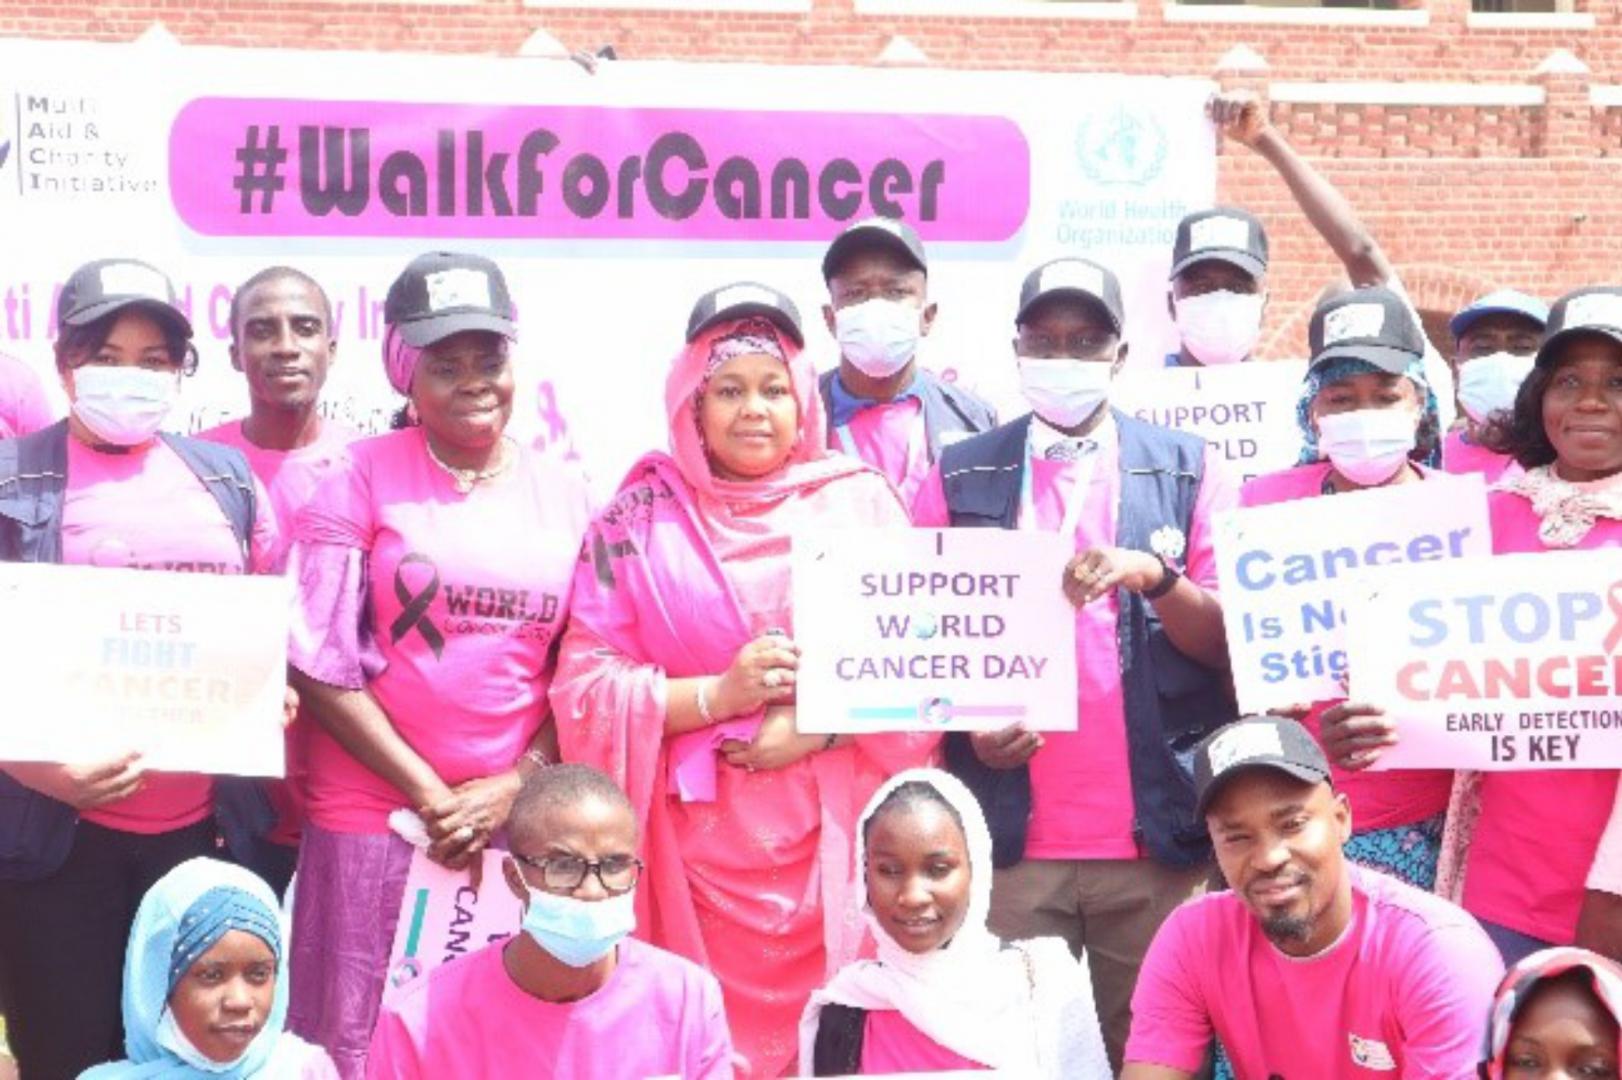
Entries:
{"x":677,"y":673}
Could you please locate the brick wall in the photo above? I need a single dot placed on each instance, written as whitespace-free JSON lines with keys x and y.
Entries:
{"x":1462,"y":197}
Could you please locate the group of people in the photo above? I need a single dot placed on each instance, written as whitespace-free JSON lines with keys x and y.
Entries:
{"x":1167,"y":891}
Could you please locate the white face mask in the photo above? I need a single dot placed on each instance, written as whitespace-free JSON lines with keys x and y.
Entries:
{"x":1065,"y":392}
{"x":879,"y":336}
{"x":1488,"y":384}
{"x":1368,"y":446}
{"x":123,"y":406}
{"x":171,"y":1038}
{"x":1220,"y":327}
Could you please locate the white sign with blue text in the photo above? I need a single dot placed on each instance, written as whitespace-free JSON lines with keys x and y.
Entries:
{"x":1285,"y":571}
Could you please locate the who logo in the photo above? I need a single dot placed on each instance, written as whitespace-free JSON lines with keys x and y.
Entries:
{"x":1121,"y":147}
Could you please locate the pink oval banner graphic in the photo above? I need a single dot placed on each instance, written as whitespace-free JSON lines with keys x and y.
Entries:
{"x":284,"y":167}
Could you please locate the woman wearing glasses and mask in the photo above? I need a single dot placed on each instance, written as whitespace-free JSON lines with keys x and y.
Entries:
{"x":570,"y":995}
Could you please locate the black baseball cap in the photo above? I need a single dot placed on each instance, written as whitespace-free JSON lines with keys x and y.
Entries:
{"x":1226,"y":234}
{"x":1255,"y":742}
{"x":1595,"y":309}
{"x":1372,"y":324}
{"x":446,"y":292}
{"x":106,"y":286}
{"x":740,"y":300}
{"x":891,"y":234}
{"x":1080,"y":278}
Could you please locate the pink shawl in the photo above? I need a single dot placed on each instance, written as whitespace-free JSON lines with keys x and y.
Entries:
{"x":652,"y":599}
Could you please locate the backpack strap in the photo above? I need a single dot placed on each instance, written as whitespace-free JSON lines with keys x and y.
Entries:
{"x":225,"y":472}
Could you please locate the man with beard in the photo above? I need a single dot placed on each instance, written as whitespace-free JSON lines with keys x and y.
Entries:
{"x":1310,"y":966}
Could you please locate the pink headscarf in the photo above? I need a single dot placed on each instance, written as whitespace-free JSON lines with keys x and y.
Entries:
{"x":809,"y":463}
{"x":399,"y":360}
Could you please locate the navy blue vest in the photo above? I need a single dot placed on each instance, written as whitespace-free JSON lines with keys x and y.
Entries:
{"x":1172,"y":701}
{"x":36,"y":831}
{"x":947,"y":409}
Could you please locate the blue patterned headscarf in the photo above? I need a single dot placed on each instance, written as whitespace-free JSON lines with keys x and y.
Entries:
{"x":181,"y":917}
{"x":1428,"y":447}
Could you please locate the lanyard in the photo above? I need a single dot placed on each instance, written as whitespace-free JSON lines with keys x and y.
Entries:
{"x":1073,"y":505}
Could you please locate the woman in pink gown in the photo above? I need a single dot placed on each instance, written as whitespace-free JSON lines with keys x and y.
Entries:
{"x":677,"y":673}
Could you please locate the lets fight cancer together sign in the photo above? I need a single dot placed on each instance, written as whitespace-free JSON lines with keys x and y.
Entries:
{"x":1513,"y":662}
{"x":933,"y":630}
{"x":1284,"y":571}
{"x":189,"y":669}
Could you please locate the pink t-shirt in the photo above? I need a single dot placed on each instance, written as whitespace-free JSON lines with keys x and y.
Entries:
{"x":893,"y":1044}
{"x":1462,"y":456}
{"x":23,"y":407}
{"x":657,"y":1015}
{"x":291,"y":478}
{"x":890,"y":437}
{"x":467,"y":595}
{"x":146,"y":509}
{"x":1538,"y":831}
{"x":1380,"y":800}
{"x":1081,"y":783}
{"x":1404,"y":993}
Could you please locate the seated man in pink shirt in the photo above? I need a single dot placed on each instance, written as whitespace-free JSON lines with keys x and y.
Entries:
{"x":1311,"y":966}
{"x":570,"y":995}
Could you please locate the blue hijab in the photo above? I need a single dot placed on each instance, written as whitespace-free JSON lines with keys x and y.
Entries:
{"x":181,"y":917}
{"x":1344,"y":368}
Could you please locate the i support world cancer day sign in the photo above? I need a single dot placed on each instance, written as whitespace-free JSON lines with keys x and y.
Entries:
{"x":442,"y":917}
{"x":1245,"y":411}
{"x":1513,"y":662}
{"x":933,"y":630}
{"x":1284,"y":572}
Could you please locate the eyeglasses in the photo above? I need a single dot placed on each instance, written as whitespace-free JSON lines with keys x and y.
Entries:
{"x":566,"y":873}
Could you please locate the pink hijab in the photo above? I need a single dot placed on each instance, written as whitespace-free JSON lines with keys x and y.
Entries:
{"x":809,"y":464}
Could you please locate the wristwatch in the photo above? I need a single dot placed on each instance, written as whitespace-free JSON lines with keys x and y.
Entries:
{"x":1168,"y":580}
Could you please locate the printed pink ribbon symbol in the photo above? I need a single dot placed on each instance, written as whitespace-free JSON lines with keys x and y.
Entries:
{"x":414,"y":615}
{"x":1613,"y":598}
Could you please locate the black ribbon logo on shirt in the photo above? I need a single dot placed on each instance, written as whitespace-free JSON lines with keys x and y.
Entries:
{"x":415,"y":613}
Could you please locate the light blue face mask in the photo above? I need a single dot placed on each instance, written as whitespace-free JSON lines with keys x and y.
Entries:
{"x":578,"y":932}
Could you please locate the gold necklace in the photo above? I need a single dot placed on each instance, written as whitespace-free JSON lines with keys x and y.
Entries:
{"x":467,"y":479}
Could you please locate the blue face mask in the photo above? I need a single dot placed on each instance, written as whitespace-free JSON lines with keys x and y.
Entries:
{"x":578,"y":932}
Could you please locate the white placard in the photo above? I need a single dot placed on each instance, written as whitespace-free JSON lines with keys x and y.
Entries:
{"x":188,"y":669}
{"x":933,"y":630}
{"x":1285,"y":570}
{"x":1246,"y":411}
{"x":1503,"y":663}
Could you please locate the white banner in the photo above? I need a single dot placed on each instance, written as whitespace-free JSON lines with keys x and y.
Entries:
{"x":1246,"y":411}
{"x":189,"y":669}
{"x":1285,"y":571}
{"x":611,"y":200}
{"x":1504,"y":663}
{"x":933,"y":630}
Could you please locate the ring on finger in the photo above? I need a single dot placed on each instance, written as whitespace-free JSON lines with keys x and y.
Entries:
{"x":465,"y":834}
{"x":772,"y":679}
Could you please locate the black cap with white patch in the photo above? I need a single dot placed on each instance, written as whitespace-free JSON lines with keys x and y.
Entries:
{"x":1225,"y":234}
{"x":444,"y":293}
{"x":889,"y":234}
{"x":1080,"y":278}
{"x":106,"y":286}
{"x":1255,"y":742}
{"x":741,"y":300}
{"x":1372,"y":324}
{"x":1596,"y":309}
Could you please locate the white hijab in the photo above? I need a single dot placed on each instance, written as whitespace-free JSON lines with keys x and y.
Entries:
{"x":972,"y":996}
